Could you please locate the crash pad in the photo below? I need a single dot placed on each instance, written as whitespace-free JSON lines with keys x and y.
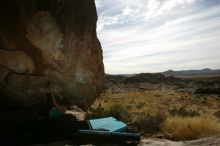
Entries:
{"x":107,"y":124}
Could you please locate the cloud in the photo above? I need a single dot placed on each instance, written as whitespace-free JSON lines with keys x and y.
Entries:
{"x":154,"y":35}
{"x":109,"y":20}
{"x":98,"y":3}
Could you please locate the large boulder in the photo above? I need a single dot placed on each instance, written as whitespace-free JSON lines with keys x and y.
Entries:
{"x":49,"y":40}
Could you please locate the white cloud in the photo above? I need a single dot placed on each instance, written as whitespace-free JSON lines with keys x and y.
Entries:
{"x":156,"y":8}
{"x":151,"y":9}
{"x":109,"y":20}
{"x":155,"y":35}
{"x":127,"y":11}
{"x":98,"y":3}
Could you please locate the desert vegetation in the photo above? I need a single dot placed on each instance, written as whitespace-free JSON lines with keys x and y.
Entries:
{"x":189,"y":128}
{"x":147,"y":123}
{"x":116,"y":110}
{"x":169,"y":107}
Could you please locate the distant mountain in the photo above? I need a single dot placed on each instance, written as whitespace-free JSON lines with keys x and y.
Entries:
{"x":203,"y":72}
{"x":153,"y":78}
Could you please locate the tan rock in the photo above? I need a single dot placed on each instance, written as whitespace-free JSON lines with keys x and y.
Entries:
{"x":45,"y":41}
{"x":17,"y":61}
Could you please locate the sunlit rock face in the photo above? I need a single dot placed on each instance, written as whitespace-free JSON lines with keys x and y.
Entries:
{"x":49,"y":40}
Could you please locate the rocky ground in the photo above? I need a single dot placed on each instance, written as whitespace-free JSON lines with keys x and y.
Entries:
{"x":210,"y":141}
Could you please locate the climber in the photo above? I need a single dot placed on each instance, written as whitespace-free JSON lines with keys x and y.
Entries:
{"x":56,"y":106}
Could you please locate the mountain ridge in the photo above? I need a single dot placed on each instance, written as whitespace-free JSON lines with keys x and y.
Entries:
{"x":199,"y":72}
{"x":202,"y":72}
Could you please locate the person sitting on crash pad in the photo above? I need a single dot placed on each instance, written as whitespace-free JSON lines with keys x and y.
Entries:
{"x":55,"y":102}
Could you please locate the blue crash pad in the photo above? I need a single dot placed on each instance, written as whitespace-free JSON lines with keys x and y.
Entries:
{"x":107,"y":124}
{"x":107,"y":133}
{"x":94,"y":132}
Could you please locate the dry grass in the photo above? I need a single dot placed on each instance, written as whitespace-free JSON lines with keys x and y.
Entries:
{"x":189,"y":128}
{"x":153,"y":101}
{"x":156,"y":100}
{"x":147,"y":102}
{"x":150,"y":102}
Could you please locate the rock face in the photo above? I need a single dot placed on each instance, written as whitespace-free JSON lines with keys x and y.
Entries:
{"x":49,"y":40}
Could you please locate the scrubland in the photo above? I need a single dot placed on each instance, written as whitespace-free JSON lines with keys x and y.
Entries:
{"x":174,"y":114}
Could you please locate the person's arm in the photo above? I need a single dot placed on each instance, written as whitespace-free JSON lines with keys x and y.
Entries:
{"x":58,"y":94}
{"x":59,"y":107}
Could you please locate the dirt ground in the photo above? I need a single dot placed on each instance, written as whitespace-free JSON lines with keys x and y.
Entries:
{"x":210,"y":141}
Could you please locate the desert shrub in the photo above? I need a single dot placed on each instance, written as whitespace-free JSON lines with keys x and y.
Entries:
{"x":117,"y":111}
{"x":140,"y":105}
{"x":189,"y":128}
{"x":129,"y":107}
{"x":149,"y":123}
{"x":207,"y":90}
{"x":131,"y":102}
{"x":157,"y":95}
{"x":183,"y":112}
{"x":217,"y":114}
{"x":98,"y":112}
{"x":204,"y":100}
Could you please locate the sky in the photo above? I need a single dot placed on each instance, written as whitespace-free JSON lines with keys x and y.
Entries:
{"x":158,"y":35}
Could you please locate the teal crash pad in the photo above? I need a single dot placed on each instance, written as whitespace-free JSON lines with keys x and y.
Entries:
{"x":107,"y":124}
{"x":107,"y":133}
{"x":109,"y":137}
{"x":94,"y":132}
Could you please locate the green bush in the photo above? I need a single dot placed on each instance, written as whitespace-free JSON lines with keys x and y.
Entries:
{"x":149,"y":123}
{"x":117,"y":111}
{"x":96,"y":113}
